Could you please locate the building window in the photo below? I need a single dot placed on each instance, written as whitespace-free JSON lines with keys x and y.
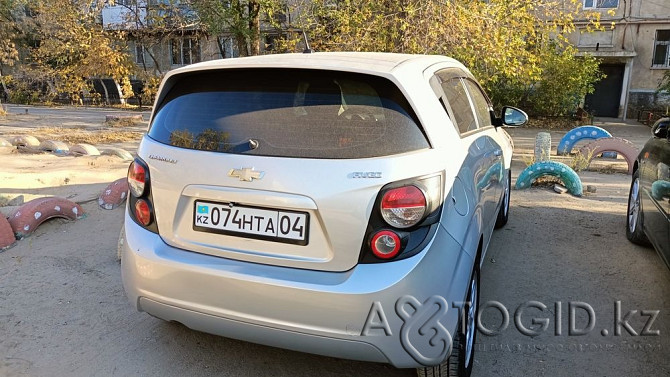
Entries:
{"x":592,"y":4}
{"x":185,"y":51}
{"x":139,"y":54}
{"x":662,"y":49}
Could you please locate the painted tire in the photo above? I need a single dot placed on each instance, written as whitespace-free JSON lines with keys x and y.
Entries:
{"x":118,"y":152}
{"x":84,"y":150}
{"x":114,"y":195}
{"x":7,"y":238}
{"x":6,"y":147}
{"x":553,"y":168}
{"x":660,"y":190}
{"x":25,"y":141}
{"x":542,"y":146}
{"x":627,"y":149}
{"x":25,"y":219}
{"x":584,"y":132}
{"x":53,"y":146}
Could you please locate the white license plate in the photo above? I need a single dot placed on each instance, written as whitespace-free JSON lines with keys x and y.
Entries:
{"x":251,"y":222}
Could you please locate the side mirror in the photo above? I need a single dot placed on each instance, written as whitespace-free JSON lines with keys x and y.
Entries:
{"x":512,"y":117}
{"x":660,"y":129}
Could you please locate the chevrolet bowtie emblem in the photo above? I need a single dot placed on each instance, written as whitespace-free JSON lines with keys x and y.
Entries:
{"x":246,"y":174}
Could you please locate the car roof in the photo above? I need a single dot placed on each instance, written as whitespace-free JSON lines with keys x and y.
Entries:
{"x":365,"y":62}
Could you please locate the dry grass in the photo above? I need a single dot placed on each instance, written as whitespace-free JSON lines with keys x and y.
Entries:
{"x":123,"y":122}
{"x":76,"y":136}
{"x":580,"y":161}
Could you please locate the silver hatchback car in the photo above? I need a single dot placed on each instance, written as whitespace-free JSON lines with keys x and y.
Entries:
{"x":332,"y":203}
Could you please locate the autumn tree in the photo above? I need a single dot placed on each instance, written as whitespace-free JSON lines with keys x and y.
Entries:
{"x":512,"y":46}
{"x":242,"y":19}
{"x":72,"y":48}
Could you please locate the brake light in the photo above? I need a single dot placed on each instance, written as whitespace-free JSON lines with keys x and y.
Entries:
{"x":143,"y":212}
{"x":137,"y":176}
{"x":403,"y":207}
{"x":140,"y":200}
{"x":385,"y":244}
{"x":404,"y":220}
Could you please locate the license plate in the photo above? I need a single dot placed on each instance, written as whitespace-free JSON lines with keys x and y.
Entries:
{"x":252,"y":222}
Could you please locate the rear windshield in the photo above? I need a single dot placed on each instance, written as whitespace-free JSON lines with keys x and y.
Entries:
{"x":288,"y":113}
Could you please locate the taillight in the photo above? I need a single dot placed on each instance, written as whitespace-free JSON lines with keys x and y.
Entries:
{"x":385,"y":244}
{"x":140,"y":200}
{"x":405,"y":218}
{"x":143,"y":212}
{"x":137,"y":175}
{"x":403,"y":207}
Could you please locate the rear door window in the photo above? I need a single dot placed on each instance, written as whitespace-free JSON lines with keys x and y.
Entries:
{"x":460,"y":105}
{"x":287,"y":113}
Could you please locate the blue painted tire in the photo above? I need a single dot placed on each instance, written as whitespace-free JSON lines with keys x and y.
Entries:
{"x":553,"y":168}
{"x":584,"y":132}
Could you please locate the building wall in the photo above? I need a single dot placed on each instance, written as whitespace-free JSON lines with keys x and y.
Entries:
{"x":631,"y":41}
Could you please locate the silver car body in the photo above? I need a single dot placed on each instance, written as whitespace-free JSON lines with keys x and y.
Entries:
{"x":315,"y":298}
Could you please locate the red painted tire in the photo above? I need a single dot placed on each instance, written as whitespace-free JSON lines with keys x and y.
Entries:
{"x":114,"y":195}
{"x":7,"y":238}
{"x":31,"y":215}
{"x":627,"y":149}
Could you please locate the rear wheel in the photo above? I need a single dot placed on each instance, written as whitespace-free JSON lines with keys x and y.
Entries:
{"x":635,"y":219}
{"x":459,"y":363}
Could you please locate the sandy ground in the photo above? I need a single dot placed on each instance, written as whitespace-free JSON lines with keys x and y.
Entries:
{"x":63,"y":311}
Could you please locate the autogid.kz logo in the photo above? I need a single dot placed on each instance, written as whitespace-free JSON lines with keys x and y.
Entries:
{"x":426,"y":338}
{"x":421,"y":334}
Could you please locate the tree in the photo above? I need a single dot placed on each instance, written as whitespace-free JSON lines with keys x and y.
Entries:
{"x":73,"y":48}
{"x":507,"y":44}
{"x":241,"y":19}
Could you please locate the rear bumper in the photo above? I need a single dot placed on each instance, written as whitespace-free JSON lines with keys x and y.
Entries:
{"x":309,"y":311}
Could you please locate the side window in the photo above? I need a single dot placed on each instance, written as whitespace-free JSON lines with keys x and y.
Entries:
{"x":460,"y":105}
{"x":480,"y":103}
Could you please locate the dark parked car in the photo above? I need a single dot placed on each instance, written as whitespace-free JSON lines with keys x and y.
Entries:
{"x":649,"y":198}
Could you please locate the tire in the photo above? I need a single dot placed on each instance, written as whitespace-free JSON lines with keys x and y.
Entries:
{"x":84,"y":150}
{"x":553,"y":168}
{"x":634,"y":215}
{"x":542,"y":146}
{"x":627,"y":149}
{"x":25,"y":141}
{"x":461,"y":360}
{"x":584,"y":132}
{"x":119,"y":152}
{"x":503,"y":213}
{"x":53,"y":146}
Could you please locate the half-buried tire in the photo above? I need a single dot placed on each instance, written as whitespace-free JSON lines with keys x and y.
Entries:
{"x":552,"y":168}
{"x":25,"y":219}
{"x":584,"y":132}
{"x":627,"y":149}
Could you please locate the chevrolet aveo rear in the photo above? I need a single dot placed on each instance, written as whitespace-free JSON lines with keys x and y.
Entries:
{"x":337,"y":204}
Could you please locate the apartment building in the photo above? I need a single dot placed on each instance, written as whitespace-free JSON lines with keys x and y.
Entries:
{"x":635,"y":54}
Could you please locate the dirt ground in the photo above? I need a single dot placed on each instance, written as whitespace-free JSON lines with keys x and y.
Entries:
{"x":63,"y":310}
